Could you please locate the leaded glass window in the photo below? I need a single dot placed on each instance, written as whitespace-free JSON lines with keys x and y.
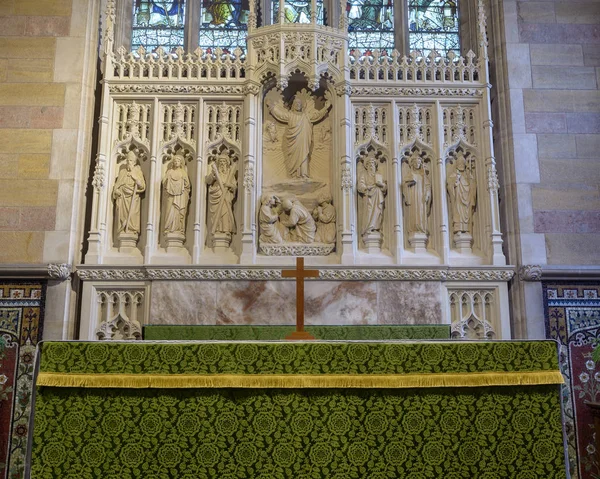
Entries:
{"x":370,"y":25}
{"x":433,"y":25}
{"x":297,"y":11}
{"x":224,"y":24}
{"x":158,"y":24}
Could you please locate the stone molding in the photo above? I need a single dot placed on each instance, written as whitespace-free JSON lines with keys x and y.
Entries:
{"x":408,"y":91}
{"x":297,"y":249}
{"x":53,"y":271}
{"x":533,"y":272}
{"x":261,"y":273}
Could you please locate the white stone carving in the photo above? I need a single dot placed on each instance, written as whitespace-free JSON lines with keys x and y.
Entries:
{"x":170,"y":88}
{"x":459,"y":126}
{"x":99,"y":175}
{"x":133,"y":122}
{"x":373,"y":90}
{"x":179,"y":122}
{"x":394,"y":68}
{"x":224,"y":122}
{"x":176,"y":190}
{"x":416,"y":193}
{"x":248,"y":181}
{"x":299,"y":120}
{"x":329,"y":273}
{"x":493,"y":182}
{"x":472,"y":313}
{"x":199,"y":66}
{"x":118,"y":313}
{"x":372,"y":188}
{"x":129,"y":185}
{"x":324,"y":216}
{"x":370,"y":125}
{"x":222,"y":192}
{"x":480,"y":274}
{"x":414,"y":123}
{"x":60,"y":271}
{"x":299,"y":225}
{"x":461,"y":184}
{"x":346,"y":182}
{"x":530,"y":272}
{"x":268,"y":219}
{"x":297,"y":249}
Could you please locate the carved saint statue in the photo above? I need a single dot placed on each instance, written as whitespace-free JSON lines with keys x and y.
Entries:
{"x":176,"y":187}
{"x":299,"y":222}
{"x":268,"y":220}
{"x":222,"y":190}
{"x":416,"y":190}
{"x":373,"y":189}
{"x":126,"y":193}
{"x":299,"y":133}
{"x":324,"y":215}
{"x":462,"y":194}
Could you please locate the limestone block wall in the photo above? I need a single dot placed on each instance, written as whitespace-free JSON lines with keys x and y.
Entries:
{"x":547,"y":73}
{"x":561,"y":102}
{"x":47,"y":80}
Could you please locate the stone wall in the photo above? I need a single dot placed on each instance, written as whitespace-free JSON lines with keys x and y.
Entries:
{"x":554,"y":79}
{"x":47,"y":81}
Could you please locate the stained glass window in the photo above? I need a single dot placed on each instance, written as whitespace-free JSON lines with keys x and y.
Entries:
{"x":433,"y":25}
{"x":224,"y":24}
{"x":297,"y":11}
{"x":371,"y":25}
{"x":158,"y":24}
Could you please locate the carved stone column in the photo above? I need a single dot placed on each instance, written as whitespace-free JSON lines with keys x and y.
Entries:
{"x":347,"y":214}
{"x":248,"y":191}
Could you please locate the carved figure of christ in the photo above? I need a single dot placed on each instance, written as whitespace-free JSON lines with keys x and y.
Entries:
{"x":300,"y":273}
{"x":299,"y":133}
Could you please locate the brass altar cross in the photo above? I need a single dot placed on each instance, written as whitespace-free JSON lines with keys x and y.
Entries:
{"x":300,"y":273}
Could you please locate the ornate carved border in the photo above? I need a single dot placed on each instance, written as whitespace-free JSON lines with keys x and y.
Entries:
{"x":143,"y":273}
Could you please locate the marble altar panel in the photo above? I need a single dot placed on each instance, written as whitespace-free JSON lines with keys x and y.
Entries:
{"x":256,"y":302}
{"x":183,"y":302}
{"x":274,"y":303}
{"x":341,"y":302}
{"x":409,"y":302}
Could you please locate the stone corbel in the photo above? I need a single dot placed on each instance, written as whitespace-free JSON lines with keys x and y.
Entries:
{"x":59,"y":271}
{"x":530,"y":272}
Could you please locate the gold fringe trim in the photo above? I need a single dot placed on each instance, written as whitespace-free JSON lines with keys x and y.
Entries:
{"x":178,"y":381}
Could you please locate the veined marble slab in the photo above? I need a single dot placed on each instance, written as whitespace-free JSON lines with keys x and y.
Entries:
{"x":409,"y":302}
{"x":183,"y":302}
{"x":274,"y":302}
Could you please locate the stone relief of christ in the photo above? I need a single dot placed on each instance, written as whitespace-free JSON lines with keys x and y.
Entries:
{"x":299,"y":132}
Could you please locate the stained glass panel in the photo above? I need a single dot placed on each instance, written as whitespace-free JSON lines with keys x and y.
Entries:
{"x":158,"y":24}
{"x":371,"y":25}
{"x":433,"y":25}
{"x":224,"y":24}
{"x":297,"y":11}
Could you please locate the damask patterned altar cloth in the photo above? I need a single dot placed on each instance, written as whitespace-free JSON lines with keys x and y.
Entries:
{"x":298,"y":410}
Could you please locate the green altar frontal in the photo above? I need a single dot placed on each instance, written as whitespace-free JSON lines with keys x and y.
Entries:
{"x":364,"y":409}
{"x":270,"y":333}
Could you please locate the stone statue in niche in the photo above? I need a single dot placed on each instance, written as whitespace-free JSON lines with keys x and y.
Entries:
{"x":222,"y":191}
{"x":324,"y":215}
{"x":461,"y":184}
{"x":298,"y":221}
{"x":176,"y":188}
{"x":372,"y":188}
{"x":416,"y":192}
{"x":268,"y":220}
{"x":128,"y":187}
{"x":299,"y":132}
